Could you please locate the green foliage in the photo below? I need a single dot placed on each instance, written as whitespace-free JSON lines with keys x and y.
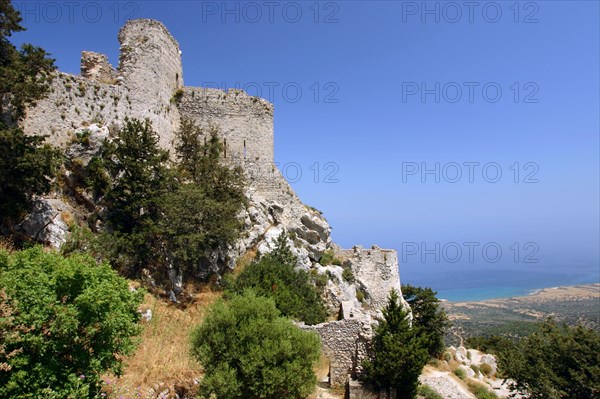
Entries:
{"x":177,"y":96}
{"x":429,"y":317}
{"x":360,"y":295}
{"x":27,"y":167}
{"x":492,"y":344}
{"x":97,"y":177}
{"x":480,"y":391}
{"x":65,"y":321}
{"x":556,"y":362}
{"x":200,"y":217}
{"x":132,"y":174}
{"x":25,"y":74}
{"x":447,"y":356}
{"x":348,"y":276}
{"x":399,"y":352}
{"x":137,"y":165}
{"x":274,"y":275}
{"x":248,"y":351}
{"x":460,"y":373}
{"x":327,"y":258}
{"x":428,"y":392}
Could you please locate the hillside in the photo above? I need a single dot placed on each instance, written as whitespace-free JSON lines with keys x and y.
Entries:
{"x":515,"y":316}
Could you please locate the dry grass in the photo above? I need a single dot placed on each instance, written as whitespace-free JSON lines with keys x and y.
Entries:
{"x":244,"y":261}
{"x":162,"y":360}
{"x":6,"y":244}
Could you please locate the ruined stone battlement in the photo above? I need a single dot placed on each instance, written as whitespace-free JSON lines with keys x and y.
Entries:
{"x":245,"y":122}
{"x":149,"y":84}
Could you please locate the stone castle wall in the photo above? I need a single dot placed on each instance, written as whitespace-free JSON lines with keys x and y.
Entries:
{"x":245,"y":122}
{"x":150,"y":67}
{"x":345,"y":343}
{"x":375,"y":271}
{"x":73,"y":102}
{"x":149,"y":75}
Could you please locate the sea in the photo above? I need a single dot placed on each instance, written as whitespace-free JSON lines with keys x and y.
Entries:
{"x":476,"y":284}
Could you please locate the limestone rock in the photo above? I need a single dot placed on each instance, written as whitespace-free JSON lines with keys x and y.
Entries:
{"x":48,"y":222}
{"x":88,"y":141}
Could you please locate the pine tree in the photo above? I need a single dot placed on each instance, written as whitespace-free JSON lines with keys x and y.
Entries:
{"x":428,"y":316}
{"x":399,"y":352}
{"x":27,"y":166}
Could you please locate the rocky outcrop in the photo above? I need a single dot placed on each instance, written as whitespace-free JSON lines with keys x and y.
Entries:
{"x":48,"y":223}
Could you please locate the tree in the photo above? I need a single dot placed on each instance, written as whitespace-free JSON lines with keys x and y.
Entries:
{"x":555,"y":362}
{"x":65,"y":321}
{"x":25,"y":74}
{"x":200,"y":217}
{"x":138,"y":177}
{"x":275,"y":276}
{"x":399,"y":352}
{"x":248,"y":351}
{"x":27,"y":166}
{"x":138,"y":167}
{"x":428,"y":316}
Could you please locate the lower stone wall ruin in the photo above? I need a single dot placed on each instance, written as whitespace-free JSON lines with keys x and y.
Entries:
{"x":345,"y":343}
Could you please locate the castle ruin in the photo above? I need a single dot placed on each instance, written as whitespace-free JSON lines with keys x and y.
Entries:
{"x":148,"y":83}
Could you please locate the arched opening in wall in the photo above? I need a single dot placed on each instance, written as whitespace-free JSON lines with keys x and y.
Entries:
{"x":176,"y":79}
{"x":244,"y":149}
{"x":224,"y":148}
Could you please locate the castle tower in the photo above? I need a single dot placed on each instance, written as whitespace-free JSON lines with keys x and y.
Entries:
{"x":150,"y":68}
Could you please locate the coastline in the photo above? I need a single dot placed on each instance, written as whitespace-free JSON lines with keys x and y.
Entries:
{"x":579,"y":291}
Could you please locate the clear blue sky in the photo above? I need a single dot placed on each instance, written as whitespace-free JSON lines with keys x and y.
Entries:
{"x":368,"y":73}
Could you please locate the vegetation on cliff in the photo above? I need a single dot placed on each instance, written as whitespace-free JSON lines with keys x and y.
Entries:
{"x":27,"y":166}
{"x":274,"y":275}
{"x":161,"y":215}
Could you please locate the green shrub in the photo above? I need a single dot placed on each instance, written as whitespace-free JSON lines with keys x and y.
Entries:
{"x":428,"y":392}
{"x":320,"y":279}
{"x":177,"y":96}
{"x":347,"y":275}
{"x":83,"y":137}
{"x":249,"y":351}
{"x":360,"y":295}
{"x":447,"y":356}
{"x":274,"y":275}
{"x":460,"y":373}
{"x":68,"y":321}
{"x":27,"y":168}
{"x":480,"y":391}
{"x":475,"y":368}
{"x":327,"y":258}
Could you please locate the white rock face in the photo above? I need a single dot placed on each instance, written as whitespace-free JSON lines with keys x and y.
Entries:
{"x":46,"y":223}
